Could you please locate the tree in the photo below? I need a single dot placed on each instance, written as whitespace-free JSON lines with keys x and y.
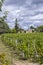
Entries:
{"x":31,"y":27}
{"x":1,"y":3}
{"x":3,"y":25}
{"x":39,"y":28}
{"x":16,"y":25}
{"x":4,"y":28}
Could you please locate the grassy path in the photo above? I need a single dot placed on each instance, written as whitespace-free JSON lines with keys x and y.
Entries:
{"x":6,"y":50}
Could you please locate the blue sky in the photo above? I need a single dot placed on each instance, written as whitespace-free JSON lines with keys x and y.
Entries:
{"x":28,"y":12}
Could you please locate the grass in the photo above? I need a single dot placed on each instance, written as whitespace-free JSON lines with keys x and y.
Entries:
{"x":23,"y":39}
{"x":5,"y":50}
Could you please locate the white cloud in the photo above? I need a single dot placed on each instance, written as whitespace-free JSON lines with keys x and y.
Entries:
{"x":31,"y":25}
{"x":28,"y":2}
{"x":27,"y":13}
{"x":36,"y":22}
{"x":39,"y":16}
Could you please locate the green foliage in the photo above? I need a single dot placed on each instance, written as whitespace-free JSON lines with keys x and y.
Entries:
{"x":13,"y":31}
{"x":28,"y":45}
{"x":32,"y":27}
{"x":1,"y":3}
{"x":16,"y":26}
{"x":3,"y":26}
{"x":3,"y":59}
{"x":40,"y":28}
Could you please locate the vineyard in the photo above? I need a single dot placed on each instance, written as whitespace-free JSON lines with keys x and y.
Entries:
{"x":27,"y":46}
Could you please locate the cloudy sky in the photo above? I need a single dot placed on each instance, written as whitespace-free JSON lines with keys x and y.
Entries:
{"x":28,"y":12}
